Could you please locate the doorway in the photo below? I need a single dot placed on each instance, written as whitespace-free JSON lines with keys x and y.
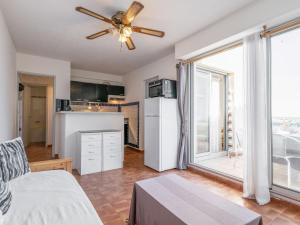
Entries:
{"x":35,"y":115}
{"x":131,"y":123}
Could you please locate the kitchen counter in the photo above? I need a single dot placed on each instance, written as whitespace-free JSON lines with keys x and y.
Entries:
{"x":82,"y":112}
{"x":69,"y":124}
{"x":96,"y":131}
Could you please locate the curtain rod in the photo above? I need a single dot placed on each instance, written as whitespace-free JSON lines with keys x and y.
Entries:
{"x":280,"y":28}
{"x":267,"y":32}
{"x":213,"y":52}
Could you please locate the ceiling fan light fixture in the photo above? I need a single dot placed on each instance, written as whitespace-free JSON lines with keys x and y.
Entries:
{"x":122,"y":38}
{"x":122,"y":24}
{"x":127,"y":31}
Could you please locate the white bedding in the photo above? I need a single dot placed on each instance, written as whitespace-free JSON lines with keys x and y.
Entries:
{"x":49,"y":198}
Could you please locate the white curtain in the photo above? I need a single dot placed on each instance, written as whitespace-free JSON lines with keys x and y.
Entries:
{"x":255,"y":144}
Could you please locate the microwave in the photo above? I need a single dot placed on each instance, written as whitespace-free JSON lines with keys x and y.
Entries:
{"x":163,"y":88}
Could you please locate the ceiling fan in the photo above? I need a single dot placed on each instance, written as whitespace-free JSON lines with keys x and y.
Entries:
{"x":122,"y":24}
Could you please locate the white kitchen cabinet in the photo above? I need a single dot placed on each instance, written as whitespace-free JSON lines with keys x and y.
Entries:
{"x":100,"y":151}
{"x":90,"y":153}
{"x":112,"y":151}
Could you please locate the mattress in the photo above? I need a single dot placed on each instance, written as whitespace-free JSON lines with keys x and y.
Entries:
{"x":49,"y":198}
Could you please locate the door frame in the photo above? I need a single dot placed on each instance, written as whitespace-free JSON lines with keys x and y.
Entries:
{"x":209,"y":71}
{"x":53,"y":77}
{"x":138,"y":121}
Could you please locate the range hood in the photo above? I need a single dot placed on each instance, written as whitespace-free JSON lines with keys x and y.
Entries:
{"x":115,"y":99}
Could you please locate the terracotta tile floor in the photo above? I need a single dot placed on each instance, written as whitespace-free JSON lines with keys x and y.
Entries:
{"x":110,"y":193}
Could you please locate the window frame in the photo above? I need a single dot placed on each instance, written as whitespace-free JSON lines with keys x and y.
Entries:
{"x":275,"y":189}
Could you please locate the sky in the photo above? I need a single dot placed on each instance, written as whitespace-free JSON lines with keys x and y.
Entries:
{"x":285,"y":66}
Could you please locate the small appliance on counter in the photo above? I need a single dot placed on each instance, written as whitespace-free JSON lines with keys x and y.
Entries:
{"x":63,"y":105}
{"x":163,"y":88}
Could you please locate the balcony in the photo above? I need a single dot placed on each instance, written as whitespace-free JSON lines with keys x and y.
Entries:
{"x":285,"y":157}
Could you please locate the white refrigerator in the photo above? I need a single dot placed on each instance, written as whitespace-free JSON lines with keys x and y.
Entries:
{"x":161,"y":133}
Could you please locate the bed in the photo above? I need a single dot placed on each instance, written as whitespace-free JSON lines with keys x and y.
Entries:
{"x":49,"y":198}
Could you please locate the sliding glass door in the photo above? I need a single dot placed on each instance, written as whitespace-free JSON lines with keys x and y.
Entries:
{"x":285,"y":107}
{"x":215,"y":113}
{"x":208,"y":114}
{"x":201,"y":93}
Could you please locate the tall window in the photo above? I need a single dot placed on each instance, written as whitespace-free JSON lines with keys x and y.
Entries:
{"x":285,"y":106}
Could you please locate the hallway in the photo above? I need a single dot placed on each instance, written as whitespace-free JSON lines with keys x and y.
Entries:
{"x":38,"y":152}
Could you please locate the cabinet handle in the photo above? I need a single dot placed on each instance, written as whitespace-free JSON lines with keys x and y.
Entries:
{"x":91,"y":152}
{"x":91,"y":159}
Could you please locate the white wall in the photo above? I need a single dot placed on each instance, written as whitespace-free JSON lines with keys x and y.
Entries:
{"x":249,"y":19}
{"x":26,"y":114}
{"x":135,"y":83}
{"x":43,"y":66}
{"x":8,"y":84}
{"x":95,"y":77}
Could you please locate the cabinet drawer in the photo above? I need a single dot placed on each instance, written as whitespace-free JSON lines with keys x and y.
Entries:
{"x":112,"y":161}
{"x":111,"y":148}
{"x":90,"y":164}
{"x":112,"y":142}
{"x":108,"y":137}
{"x":91,"y":153}
{"x":91,"y":137}
{"x":90,"y":145}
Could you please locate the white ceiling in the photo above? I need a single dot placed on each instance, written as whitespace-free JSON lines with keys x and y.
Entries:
{"x":53,"y":28}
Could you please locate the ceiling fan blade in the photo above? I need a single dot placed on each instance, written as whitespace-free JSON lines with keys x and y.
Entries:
{"x":93,"y":14}
{"x":147,"y":31}
{"x":134,"y":9}
{"x":130,"y":44}
{"x":98,"y":34}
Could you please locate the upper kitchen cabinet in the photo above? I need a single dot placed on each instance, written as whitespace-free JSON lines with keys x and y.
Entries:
{"x":102,"y":95}
{"x":76,"y":91}
{"x":81,"y":91}
{"x":116,"y":90}
{"x":89,"y":92}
